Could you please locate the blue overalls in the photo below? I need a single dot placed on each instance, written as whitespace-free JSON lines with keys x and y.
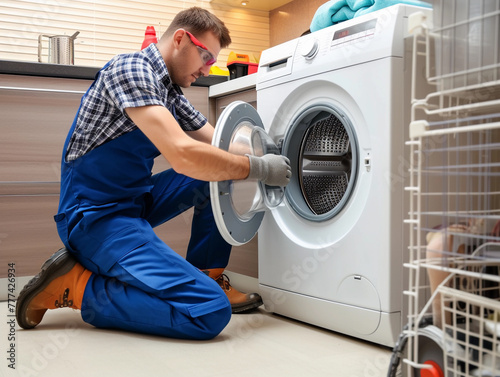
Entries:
{"x":109,"y":205}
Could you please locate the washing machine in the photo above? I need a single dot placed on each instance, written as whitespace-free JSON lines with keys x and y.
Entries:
{"x":331,"y":245}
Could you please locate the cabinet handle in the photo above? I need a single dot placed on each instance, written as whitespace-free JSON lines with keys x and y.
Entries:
{"x":43,"y":90}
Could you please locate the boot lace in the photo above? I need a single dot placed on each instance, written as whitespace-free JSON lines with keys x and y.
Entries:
{"x":224,"y":282}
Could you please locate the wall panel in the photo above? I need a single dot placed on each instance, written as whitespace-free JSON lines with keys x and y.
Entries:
{"x":111,"y":27}
{"x":291,"y":20}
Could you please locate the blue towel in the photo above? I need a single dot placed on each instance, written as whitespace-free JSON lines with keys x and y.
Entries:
{"x":335,"y":11}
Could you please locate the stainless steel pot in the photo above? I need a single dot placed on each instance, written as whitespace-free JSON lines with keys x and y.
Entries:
{"x":61,"y":48}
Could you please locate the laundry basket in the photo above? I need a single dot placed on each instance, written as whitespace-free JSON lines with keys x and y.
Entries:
{"x":454,"y":217}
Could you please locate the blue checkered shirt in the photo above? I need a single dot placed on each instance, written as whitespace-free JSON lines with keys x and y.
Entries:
{"x":129,"y":80}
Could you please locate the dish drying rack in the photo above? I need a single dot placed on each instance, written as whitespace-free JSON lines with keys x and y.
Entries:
{"x":454,"y":189}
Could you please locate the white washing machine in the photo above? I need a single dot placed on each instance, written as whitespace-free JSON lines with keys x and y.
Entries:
{"x":332,"y":244}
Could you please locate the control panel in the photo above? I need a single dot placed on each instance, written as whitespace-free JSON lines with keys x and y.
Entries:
{"x":369,"y":37}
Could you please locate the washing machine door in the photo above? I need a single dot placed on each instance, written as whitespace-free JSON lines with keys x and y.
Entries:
{"x":239,"y":206}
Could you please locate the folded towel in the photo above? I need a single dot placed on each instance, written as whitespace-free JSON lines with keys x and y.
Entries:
{"x":335,"y":11}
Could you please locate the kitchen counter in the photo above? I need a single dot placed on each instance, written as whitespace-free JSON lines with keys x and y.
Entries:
{"x":233,"y":86}
{"x":75,"y":72}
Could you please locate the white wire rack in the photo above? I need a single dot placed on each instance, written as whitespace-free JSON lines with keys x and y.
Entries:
{"x":454,"y":188}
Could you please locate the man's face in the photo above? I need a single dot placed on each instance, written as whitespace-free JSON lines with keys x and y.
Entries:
{"x":195,"y":56}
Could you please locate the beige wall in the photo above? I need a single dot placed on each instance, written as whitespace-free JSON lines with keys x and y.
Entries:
{"x":291,"y":20}
{"x":110,"y":27}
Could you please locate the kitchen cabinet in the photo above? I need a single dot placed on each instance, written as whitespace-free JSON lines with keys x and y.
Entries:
{"x":249,"y":96}
{"x":36,"y":115}
{"x":222,"y":94}
{"x":244,"y":259}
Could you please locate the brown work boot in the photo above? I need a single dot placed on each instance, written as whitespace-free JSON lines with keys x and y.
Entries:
{"x":60,"y":283}
{"x":240,"y":302}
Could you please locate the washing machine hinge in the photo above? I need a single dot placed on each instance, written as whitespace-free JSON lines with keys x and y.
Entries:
{"x":280,"y":145}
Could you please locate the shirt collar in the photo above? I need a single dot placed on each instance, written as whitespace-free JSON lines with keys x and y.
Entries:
{"x":160,"y":67}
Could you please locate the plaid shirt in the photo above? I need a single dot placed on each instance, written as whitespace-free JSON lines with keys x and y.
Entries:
{"x":129,"y":80}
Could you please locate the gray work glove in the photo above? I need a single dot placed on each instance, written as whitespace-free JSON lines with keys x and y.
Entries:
{"x":271,"y":169}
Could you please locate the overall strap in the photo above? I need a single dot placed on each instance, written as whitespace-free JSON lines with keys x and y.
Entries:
{"x":73,"y":125}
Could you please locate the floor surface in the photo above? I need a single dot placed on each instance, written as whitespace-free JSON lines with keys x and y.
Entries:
{"x":256,"y":344}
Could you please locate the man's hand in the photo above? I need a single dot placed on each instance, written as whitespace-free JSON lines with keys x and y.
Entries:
{"x":271,"y":169}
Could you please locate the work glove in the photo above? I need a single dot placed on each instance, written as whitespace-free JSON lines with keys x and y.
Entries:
{"x":271,"y":169}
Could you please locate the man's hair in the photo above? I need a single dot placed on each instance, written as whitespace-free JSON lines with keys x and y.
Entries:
{"x":198,"y":21}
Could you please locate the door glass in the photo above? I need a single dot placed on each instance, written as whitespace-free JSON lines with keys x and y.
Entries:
{"x":239,"y":206}
{"x":246,"y":195}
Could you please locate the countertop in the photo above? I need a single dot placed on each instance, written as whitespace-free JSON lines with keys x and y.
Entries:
{"x":76,"y":72}
{"x":232,"y":86}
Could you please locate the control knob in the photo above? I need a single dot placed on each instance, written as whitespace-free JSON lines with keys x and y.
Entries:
{"x":310,"y":48}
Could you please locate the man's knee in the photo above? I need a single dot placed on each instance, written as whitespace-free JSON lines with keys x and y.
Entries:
{"x":211,"y":324}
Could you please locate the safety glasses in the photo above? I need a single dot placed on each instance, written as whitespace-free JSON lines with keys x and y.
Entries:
{"x":206,"y":56}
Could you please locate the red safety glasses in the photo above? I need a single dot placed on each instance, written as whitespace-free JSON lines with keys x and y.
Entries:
{"x":206,"y":56}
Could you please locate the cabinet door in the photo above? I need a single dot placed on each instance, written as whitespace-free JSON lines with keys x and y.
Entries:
{"x":198,"y":96}
{"x":36,"y":117}
{"x":28,"y":234}
{"x":244,"y":258}
{"x":248,"y":96}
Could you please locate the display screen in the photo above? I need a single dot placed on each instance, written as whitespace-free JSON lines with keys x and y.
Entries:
{"x":355,"y":29}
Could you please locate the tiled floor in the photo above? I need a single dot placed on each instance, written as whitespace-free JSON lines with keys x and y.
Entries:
{"x":257,"y":344}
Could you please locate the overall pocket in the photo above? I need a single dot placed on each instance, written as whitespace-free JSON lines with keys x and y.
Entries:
{"x":62,"y":227}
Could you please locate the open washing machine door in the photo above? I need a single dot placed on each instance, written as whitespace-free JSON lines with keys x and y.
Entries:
{"x":322,"y":147}
{"x":239,"y":206}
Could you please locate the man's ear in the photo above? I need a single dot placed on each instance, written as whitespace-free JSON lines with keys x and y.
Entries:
{"x":177,"y":38}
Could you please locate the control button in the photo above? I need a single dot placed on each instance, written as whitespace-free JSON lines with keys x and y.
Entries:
{"x":310,"y":48}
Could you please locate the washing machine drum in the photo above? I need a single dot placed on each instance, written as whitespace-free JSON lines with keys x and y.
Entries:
{"x":322,"y":151}
{"x":322,"y":147}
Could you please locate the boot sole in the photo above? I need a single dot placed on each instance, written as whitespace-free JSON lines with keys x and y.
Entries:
{"x":60,"y":263}
{"x":246,"y":307}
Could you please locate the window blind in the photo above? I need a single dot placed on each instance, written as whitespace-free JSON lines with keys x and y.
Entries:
{"x":110,"y":27}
